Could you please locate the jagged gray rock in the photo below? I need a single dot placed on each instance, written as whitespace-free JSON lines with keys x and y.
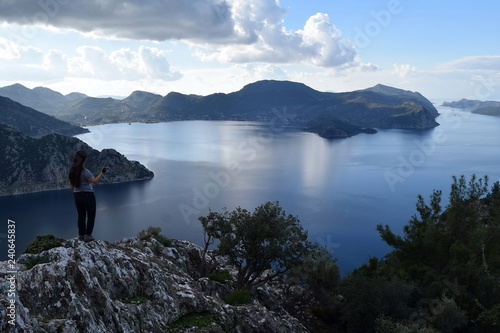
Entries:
{"x":130,"y":286}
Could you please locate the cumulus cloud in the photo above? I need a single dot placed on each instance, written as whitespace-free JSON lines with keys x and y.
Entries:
{"x":91,"y":62}
{"x":473,"y":63}
{"x":252,"y":72}
{"x":318,"y":43}
{"x":12,"y":51}
{"x":236,"y":31}
{"x":404,"y":70}
{"x":18,"y":62}
{"x":126,"y":64}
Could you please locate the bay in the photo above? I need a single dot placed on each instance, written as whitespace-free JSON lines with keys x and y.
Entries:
{"x":339,"y":189}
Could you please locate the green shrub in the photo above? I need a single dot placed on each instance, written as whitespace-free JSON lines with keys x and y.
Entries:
{"x":491,"y":316}
{"x":449,"y":317}
{"x":32,"y":261}
{"x":368,"y":298}
{"x":43,"y":243}
{"x":164,"y":241}
{"x":388,"y":325}
{"x":148,"y":233}
{"x":198,"y":319}
{"x":238,"y":296}
{"x":221,"y":276}
{"x":154,"y":232}
{"x":141,"y":299}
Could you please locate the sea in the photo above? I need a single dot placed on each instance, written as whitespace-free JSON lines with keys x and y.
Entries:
{"x":339,"y":189}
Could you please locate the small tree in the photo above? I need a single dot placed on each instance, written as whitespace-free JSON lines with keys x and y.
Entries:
{"x":258,"y":241}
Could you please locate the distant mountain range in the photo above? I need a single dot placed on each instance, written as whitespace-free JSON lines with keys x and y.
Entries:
{"x":379,"y":106}
{"x":489,"y":108}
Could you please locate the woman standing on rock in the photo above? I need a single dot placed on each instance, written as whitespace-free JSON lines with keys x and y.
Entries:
{"x":80,"y":181}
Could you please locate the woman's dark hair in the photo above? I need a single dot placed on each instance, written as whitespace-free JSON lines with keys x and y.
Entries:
{"x":76,"y":169}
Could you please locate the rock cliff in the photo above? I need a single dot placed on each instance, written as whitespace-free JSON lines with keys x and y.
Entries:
{"x":29,"y":164}
{"x":132,"y":285}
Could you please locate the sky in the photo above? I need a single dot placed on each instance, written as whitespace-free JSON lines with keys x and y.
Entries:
{"x":444,"y":49}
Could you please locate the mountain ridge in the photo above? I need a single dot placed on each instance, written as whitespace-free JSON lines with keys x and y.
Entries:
{"x":379,"y":106}
{"x":41,"y":99}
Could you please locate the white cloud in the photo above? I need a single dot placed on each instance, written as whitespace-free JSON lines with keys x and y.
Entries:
{"x":473,"y":63}
{"x":404,"y":70}
{"x":18,"y":62}
{"x":8,"y":50}
{"x":12,"y":51}
{"x":319,"y":43}
{"x":28,"y":63}
{"x":123,"y":64}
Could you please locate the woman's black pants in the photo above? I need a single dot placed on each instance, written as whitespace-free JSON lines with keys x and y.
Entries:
{"x":86,"y":207}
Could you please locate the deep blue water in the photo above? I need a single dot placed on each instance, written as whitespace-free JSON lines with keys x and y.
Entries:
{"x":339,"y":189}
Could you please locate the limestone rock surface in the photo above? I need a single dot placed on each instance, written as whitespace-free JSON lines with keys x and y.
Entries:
{"x":130,"y":285}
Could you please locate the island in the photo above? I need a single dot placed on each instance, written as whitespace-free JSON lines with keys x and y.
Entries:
{"x":488,"y":108}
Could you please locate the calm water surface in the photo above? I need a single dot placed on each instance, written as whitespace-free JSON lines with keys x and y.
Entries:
{"x":339,"y":189}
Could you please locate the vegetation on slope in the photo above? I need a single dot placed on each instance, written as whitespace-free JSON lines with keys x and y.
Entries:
{"x":442,"y":276}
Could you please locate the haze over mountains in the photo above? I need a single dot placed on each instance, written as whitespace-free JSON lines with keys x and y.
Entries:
{"x":489,"y":108}
{"x":32,"y":122}
{"x":379,"y":106}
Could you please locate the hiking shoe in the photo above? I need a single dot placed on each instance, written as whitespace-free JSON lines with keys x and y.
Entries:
{"x":81,"y":238}
{"x":88,"y":238}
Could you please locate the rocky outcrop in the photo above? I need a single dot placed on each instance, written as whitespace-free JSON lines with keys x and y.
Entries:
{"x":31,"y":165}
{"x":132,"y":285}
